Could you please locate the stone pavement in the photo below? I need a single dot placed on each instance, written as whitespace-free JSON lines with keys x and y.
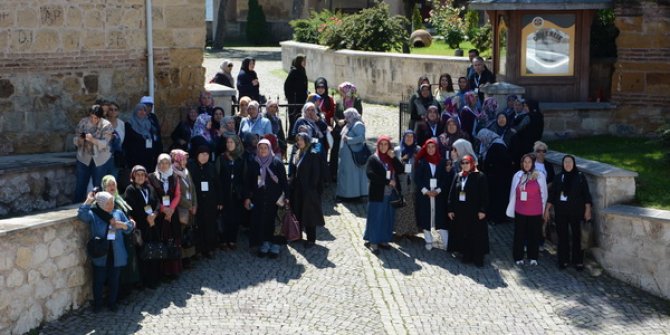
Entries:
{"x":338,"y":287}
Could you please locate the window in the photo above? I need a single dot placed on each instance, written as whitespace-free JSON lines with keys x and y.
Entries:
{"x":502,"y":45}
{"x":548,"y":45}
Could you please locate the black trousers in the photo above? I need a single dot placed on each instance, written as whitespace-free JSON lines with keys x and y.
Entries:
{"x":527,"y":231}
{"x":569,"y":239}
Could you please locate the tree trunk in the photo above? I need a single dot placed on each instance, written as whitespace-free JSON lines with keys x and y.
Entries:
{"x":220,"y":29}
{"x":408,"y":8}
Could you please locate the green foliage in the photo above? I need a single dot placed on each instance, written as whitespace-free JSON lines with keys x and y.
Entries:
{"x":447,"y":22}
{"x":308,"y":30}
{"x":372,"y":29}
{"x":604,"y":34}
{"x":482,"y":37}
{"x":471,"y":23}
{"x":257,"y":25}
{"x":417,"y":20}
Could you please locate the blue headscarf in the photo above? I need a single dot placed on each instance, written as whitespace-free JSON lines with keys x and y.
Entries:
{"x":143,"y":125}
{"x":408,"y":150}
{"x":200,"y":127}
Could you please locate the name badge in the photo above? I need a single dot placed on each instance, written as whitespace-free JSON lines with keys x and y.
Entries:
{"x":166,"y":200}
{"x":204,"y":186}
{"x":111,"y":234}
{"x":476,"y":90}
{"x":188,"y":195}
{"x":524,"y":196}
{"x":388,"y":175}
{"x":564,"y":197}
{"x":232,"y":176}
{"x":433,"y":183}
{"x":408,"y":168}
{"x":148,"y":210}
{"x":259,"y":181}
{"x":461,"y":196}
{"x":148,"y":143}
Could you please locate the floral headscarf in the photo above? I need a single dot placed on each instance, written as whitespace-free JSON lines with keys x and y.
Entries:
{"x":118,"y":200}
{"x":200,"y":127}
{"x":348,"y":92}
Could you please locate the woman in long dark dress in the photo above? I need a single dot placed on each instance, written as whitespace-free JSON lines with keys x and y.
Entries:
{"x":295,"y":88}
{"x":247,"y":80}
{"x":188,"y":204}
{"x":405,"y":217}
{"x":141,"y":144}
{"x":306,"y":186}
{"x":382,"y":170}
{"x":142,"y":199}
{"x":347,"y":99}
{"x":497,"y":163}
{"x":467,"y":207}
{"x":430,"y":127}
{"x":168,"y":192}
{"x":208,"y":192}
{"x":420,"y":100}
{"x":202,"y":135}
{"x":571,"y":199}
{"x":231,"y":167}
{"x":433,"y":178}
{"x":265,"y":181}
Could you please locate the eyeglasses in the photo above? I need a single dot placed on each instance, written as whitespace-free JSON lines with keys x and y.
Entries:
{"x":230,"y":65}
{"x":465,"y":163}
{"x":541,"y":151}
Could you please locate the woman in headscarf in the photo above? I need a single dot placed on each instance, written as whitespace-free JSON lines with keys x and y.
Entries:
{"x":202,"y":135}
{"x":188,"y":205}
{"x":231,"y":168}
{"x":241,"y":113}
{"x":430,"y":127}
{"x":452,"y":133}
{"x":382,"y":170}
{"x":463,"y":87}
{"x":271,"y":113}
{"x":496,"y":162}
{"x":206,"y":103}
{"x":94,"y":156}
{"x":490,"y":108}
{"x":571,"y":199}
{"x":326,"y":104}
{"x":471,"y":115}
{"x":255,"y":122}
{"x":228,"y":126}
{"x":502,"y":128}
{"x":317,"y":125}
{"x":467,"y":208}
{"x":247,"y":80}
{"x":405,"y":218}
{"x":130,"y":274}
{"x":449,"y":111}
{"x":295,"y":87}
{"x":527,"y":200}
{"x":225,"y":76}
{"x":181,"y":135}
{"x":352,"y":182}
{"x":208,"y":192}
{"x":306,"y":178}
{"x":459,"y":149}
{"x":265,"y":181}
{"x":141,"y":143}
{"x":217,"y":120}
{"x":168,"y":191}
{"x":433,"y":179}
{"x":143,"y":201}
{"x":347,"y":98}
{"x":420,"y":100}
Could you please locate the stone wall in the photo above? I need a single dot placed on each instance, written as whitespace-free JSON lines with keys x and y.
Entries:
{"x":44,"y":271}
{"x":379,"y":77}
{"x":641,"y":79}
{"x":58,"y":57}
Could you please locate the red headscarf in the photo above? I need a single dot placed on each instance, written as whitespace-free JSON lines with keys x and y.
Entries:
{"x":423,"y":153}
{"x":473,"y":165}
{"x":384,"y":157}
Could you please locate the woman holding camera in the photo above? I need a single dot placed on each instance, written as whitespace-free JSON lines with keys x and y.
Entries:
{"x":94,"y":155}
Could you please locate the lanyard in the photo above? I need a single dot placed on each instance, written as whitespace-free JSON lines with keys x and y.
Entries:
{"x":477,"y":79}
{"x":145,"y":195}
{"x":463,"y":181}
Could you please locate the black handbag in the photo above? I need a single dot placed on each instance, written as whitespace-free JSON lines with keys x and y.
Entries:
{"x":397,"y":200}
{"x":160,"y":250}
{"x":98,"y":247}
{"x":360,"y":157}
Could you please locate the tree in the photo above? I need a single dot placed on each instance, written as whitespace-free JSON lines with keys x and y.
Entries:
{"x":257,"y":25}
{"x":220,"y":29}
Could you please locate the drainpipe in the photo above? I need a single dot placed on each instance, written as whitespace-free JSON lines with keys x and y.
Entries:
{"x":150,"y":49}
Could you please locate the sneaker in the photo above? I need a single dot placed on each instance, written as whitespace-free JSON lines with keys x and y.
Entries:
{"x":519,"y":262}
{"x":533,"y":262}
{"x":429,"y":246}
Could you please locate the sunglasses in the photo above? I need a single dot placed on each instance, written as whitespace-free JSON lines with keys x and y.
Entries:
{"x":465,"y":163}
{"x":230,"y":65}
{"x":541,"y":151}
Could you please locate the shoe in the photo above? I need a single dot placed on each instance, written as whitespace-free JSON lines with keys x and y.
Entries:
{"x":374,"y":248}
{"x":533,"y":262}
{"x":519,"y":262}
{"x":385,"y":246}
{"x":429,"y":246}
{"x":579,"y":267}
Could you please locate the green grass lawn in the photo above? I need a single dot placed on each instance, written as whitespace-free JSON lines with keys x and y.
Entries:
{"x":439,"y":48}
{"x":644,"y":156}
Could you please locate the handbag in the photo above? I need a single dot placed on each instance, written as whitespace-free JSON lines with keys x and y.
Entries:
{"x":98,"y":247}
{"x":587,"y":233}
{"x":136,"y":236}
{"x":290,"y":226}
{"x":360,"y":157}
{"x":156,"y":250}
{"x":184,"y":215}
{"x":397,"y":200}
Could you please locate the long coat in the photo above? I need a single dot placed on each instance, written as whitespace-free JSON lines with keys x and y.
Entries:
{"x":208,"y":199}
{"x":469,"y":234}
{"x":422,"y":176}
{"x":306,"y":187}
{"x":351,"y":179}
{"x":499,"y":169}
{"x":98,"y":228}
{"x":264,"y":199}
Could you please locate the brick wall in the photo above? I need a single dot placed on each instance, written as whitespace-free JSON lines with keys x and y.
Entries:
{"x":641,"y":81}
{"x":57,"y":58}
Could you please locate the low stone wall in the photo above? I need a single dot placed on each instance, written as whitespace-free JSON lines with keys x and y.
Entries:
{"x":380,"y":77}
{"x":44,"y":270}
{"x":33,"y":183}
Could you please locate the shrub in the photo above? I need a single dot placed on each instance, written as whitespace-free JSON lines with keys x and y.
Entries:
{"x":471,"y":23}
{"x":447,"y":22}
{"x":257,"y":25}
{"x":604,"y":34}
{"x":482,"y":37}
{"x":308,"y":30}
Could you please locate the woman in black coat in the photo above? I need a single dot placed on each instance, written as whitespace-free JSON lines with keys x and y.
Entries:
{"x":295,"y":88}
{"x":420,"y":100}
{"x":467,"y":207}
{"x":430,"y":127}
{"x":142,"y":141}
{"x":306,"y":177}
{"x":571,"y":199}
{"x":144,"y":203}
{"x":496,"y":162}
{"x":231,"y":168}
{"x":247,"y":80}
{"x":265,"y":181}
{"x":208,"y":192}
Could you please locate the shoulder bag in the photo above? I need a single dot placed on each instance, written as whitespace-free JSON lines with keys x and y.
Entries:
{"x":397,"y":200}
{"x":98,"y":247}
{"x":360,"y":157}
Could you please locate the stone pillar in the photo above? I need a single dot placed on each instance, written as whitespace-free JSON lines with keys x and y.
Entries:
{"x":500,"y":91}
{"x":224,"y":94}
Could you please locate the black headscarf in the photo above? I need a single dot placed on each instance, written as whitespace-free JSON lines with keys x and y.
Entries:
{"x":321,"y":81}
{"x":569,"y":177}
{"x":246,"y":62}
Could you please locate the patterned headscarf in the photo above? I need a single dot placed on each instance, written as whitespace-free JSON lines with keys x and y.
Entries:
{"x":351,"y":116}
{"x":179,"y":159}
{"x":348,"y":92}
{"x":264,"y":163}
{"x":118,"y":200}
{"x":200,"y":127}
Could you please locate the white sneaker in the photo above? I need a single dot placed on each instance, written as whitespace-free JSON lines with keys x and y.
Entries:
{"x":519,"y":262}
{"x":429,"y":246}
{"x":533,"y":262}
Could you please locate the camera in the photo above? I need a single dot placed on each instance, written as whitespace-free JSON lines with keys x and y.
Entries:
{"x":96,"y":190}
{"x":82,"y":135}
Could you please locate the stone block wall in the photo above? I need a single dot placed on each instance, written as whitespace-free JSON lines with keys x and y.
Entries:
{"x":641,"y":79}
{"x":44,"y":270}
{"x":58,"y":57}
